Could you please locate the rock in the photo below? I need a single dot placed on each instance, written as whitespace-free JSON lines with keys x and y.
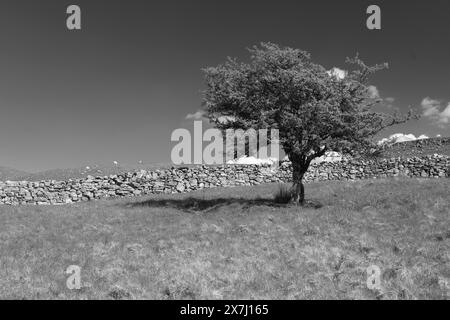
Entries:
{"x":180,"y":187}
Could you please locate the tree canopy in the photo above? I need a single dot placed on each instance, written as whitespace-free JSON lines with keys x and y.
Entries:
{"x":313,"y":109}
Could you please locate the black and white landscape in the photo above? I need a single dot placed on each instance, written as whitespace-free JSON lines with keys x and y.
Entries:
{"x":224,"y":150}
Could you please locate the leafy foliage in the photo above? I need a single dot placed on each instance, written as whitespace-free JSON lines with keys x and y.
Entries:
{"x":314,"y":111}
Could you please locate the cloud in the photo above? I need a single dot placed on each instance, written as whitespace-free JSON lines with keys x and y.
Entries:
{"x":338,"y":73}
{"x":431,"y":108}
{"x":329,"y":156}
{"x":401,"y":137}
{"x":225,"y":119}
{"x":253,"y":160}
{"x":373,"y":92}
{"x":444,"y":116}
{"x":389,"y":103}
{"x":199,"y":115}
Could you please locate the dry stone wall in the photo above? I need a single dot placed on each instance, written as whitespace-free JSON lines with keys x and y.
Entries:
{"x":178,"y":180}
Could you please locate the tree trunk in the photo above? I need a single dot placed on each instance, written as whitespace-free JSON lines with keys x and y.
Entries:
{"x":298,"y":189}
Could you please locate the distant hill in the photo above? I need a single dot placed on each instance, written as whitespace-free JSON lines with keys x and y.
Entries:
{"x":83,"y":172}
{"x":400,"y":149}
{"x":7,"y":173}
{"x":418,"y":148}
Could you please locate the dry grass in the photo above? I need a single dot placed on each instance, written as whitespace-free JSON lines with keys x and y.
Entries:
{"x":235,"y":244}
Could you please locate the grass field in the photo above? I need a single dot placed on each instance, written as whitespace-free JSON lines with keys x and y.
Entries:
{"x":235,"y":243}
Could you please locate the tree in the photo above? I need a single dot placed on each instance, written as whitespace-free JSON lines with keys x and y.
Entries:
{"x":313,"y":109}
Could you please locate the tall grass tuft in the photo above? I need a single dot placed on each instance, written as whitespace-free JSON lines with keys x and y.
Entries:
{"x":283,"y":195}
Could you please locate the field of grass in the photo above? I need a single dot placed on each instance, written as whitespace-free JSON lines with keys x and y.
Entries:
{"x":235,"y":243}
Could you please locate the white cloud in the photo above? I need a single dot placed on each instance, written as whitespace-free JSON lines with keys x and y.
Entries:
{"x":225,"y":119}
{"x":252,"y":160}
{"x":373,"y":92}
{"x":444,"y":116}
{"x":338,"y":73}
{"x":196,"y":116}
{"x":329,"y":156}
{"x":389,"y":102}
{"x":432,"y":109}
{"x":401,"y":137}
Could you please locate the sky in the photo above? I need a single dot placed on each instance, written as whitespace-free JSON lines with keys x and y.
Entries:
{"x":116,"y":89}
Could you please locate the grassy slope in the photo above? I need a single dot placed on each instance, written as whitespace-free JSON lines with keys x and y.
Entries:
{"x":7,"y":173}
{"x":82,"y":172}
{"x":418,"y":148}
{"x":235,"y":243}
